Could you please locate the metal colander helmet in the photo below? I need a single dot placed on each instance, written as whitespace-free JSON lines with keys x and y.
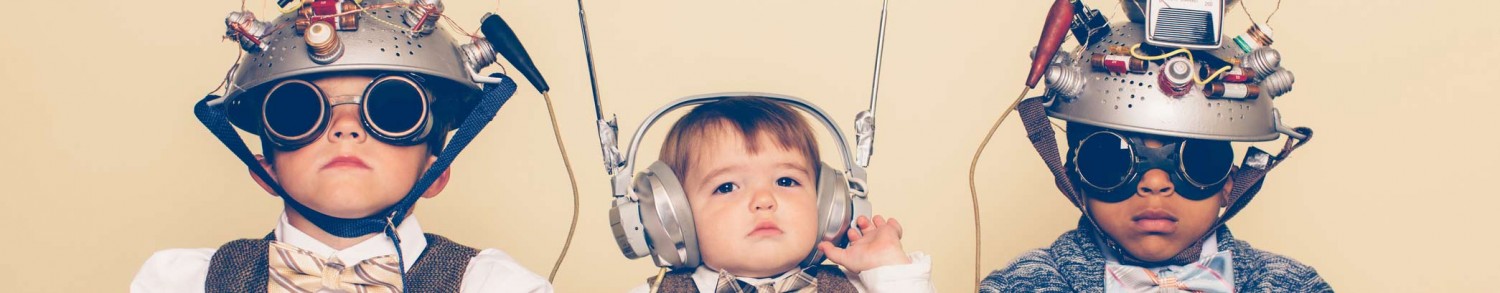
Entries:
{"x":378,"y":40}
{"x":1160,"y":97}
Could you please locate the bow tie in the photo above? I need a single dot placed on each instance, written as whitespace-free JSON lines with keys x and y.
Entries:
{"x":797,"y":280}
{"x":1214,"y":274}
{"x":296,"y":270}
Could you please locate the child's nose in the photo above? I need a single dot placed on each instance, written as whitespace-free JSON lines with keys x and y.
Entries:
{"x":1155,"y":182}
{"x":763,"y":201}
{"x":344,"y":125}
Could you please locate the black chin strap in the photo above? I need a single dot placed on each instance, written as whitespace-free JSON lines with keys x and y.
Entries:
{"x":1248,"y":177}
{"x":493,"y":96}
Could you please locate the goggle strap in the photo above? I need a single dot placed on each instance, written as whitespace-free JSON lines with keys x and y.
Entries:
{"x":489,"y":104}
{"x":1248,"y":179}
{"x":1039,"y":131}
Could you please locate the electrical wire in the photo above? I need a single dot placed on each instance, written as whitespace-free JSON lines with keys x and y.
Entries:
{"x":1135,"y":52}
{"x":572,"y":180}
{"x":656,"y":286}
{"x":973,"y":192}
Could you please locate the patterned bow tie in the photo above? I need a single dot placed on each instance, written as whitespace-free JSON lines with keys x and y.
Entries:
{"x":1214,"y":274}
{"x":297,"y":270}
{"x":798,"y":280}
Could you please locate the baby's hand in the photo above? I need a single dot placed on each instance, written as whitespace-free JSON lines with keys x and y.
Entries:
{"x":876,"y":244}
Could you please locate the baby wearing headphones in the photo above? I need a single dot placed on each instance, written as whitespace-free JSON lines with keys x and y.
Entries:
{"x":750,"y":170}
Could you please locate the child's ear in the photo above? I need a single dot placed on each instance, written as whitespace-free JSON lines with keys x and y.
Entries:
{"x":440,"y":183}
{"x":1228,"y":187}
{"x":269,"y":170}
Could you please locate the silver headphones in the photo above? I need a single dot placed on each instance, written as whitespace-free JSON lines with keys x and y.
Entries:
{"x":651,"y":214}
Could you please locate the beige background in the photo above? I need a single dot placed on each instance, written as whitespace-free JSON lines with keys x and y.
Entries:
{"x":104,"y":163}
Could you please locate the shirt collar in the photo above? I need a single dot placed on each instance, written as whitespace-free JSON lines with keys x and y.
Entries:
{"x":1210,"y":248}
{"x":412,"y":243}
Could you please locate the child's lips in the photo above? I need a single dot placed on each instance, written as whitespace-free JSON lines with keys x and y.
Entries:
{"x":1155,"y":222}
{"x":766,"y":228}
{"x":346,"y":162}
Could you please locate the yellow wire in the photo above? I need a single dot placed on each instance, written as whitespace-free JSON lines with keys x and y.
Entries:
{"x":973,"y":192}
{"x":573,"y":181}
{"x":1134,"y":52}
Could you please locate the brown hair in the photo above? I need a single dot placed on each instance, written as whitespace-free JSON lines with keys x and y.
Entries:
{"x":751,"y":116}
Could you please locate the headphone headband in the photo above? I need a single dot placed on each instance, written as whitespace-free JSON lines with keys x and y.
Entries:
{"x":622,"y":178}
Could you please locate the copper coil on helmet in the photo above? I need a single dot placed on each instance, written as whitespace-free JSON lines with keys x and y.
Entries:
{"x":422,"y":16}
{"x":242,"y":27}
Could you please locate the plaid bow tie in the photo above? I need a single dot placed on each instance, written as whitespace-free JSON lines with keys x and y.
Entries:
{"x":297,"y":270}
{"x":799,"y":280}
{"x":1214,"y":274}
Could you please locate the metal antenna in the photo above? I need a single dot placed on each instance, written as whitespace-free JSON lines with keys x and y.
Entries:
{"x":864,"y":122}
{"x":608,"y":129}
{"x":588,"y":53}
{"x":879,"y":51}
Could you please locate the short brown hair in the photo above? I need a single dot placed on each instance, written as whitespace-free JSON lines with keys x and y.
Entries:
{"x":751,"y":116}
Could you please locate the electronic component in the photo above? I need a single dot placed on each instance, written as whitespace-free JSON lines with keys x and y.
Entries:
{"x":1196,"y":24}
{"x":1117,"y":63}
{"x":242,"y":27}
{"x":422,"y":16}
{"x":323,"y":43}
{"x":1254,"y":38}
{"x":1223,"y":90}
{"x":339,"y":14}
{"x":1176,"y":76}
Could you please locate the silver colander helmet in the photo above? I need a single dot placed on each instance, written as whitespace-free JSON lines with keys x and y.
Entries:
{"x":1134,"y":100}
{"x":378,"y":40}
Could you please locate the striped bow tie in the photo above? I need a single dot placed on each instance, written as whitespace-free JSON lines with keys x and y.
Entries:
{"x":1214,"y":274}
{"x":296,"y":270}
{"x":794,"y":282}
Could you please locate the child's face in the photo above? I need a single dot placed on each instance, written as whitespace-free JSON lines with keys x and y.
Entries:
{"x":756,"y":214}
{"x":346,"y":173}
{"x":1156,"y":223}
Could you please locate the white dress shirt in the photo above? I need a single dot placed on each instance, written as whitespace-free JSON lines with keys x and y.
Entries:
{"x":915,"y":277}
{"x":186,"y":269}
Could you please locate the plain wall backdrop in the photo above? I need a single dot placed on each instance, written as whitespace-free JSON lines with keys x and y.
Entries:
{"x":103,"y":162}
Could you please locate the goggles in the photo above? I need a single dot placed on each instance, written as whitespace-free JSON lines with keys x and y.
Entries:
{"x":396,"y":109}
{"x":1111,"y":165}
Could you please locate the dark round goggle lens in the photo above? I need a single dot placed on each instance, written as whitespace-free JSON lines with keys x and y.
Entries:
{"x":292,"y":110}
{"x":395,"y":107}
{"x":1104,"y":160}
{"x":1206,"y":162}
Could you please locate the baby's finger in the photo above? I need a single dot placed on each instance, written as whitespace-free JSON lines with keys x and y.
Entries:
{"x":867,"y":225}
{"x":895,"y":226}
{"x":833,"y":252}
{"x":854,"y":235}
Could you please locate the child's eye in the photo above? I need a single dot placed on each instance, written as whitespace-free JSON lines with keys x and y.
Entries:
{"x":787,"y":182}
{"x":725,"y":188}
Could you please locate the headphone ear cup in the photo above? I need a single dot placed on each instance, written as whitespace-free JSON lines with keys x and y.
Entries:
{"x":834,"y":214}
{"x":667,"y":217}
